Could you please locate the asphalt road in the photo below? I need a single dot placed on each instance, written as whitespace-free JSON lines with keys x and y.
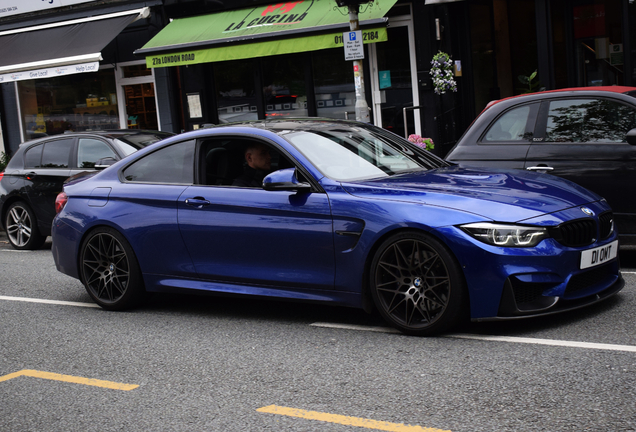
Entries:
{"x":210,"y":364}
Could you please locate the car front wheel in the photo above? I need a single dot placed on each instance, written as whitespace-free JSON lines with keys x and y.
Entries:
{"x":109,"y":270}
{"x":22,"y":227}
{"x":417,"y":285}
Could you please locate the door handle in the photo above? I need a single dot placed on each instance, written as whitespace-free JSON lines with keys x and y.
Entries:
{"x":31,"y":175}
{"x":539,"y":168}
{"x":197,"y":202}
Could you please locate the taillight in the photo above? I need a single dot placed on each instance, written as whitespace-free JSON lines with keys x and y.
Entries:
{"x":1,"y":175}
{"x":60,"y":202}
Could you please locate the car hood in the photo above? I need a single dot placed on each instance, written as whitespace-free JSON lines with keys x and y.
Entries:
{"x":501,"y":195}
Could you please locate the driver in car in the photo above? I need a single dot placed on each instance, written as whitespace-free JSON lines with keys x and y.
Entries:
{"x":258,"y":163}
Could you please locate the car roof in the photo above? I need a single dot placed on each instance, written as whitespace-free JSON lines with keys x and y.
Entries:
{"x":114,"y":133}
{"x":287,"y":124}
{"x":587,"y":90}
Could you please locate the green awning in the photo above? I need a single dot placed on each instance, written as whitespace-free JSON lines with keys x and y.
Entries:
{"x":282,"y":28}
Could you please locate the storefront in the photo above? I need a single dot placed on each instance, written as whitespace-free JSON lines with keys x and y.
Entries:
{"x":198,"y":62}
{"x":62,"y":71}
{"x":287,"y":60}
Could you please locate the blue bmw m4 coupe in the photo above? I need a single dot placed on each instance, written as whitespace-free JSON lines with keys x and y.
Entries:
{"x":335,"y":211}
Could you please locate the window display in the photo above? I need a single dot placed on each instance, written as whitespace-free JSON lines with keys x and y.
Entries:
{"x":77,"y":103}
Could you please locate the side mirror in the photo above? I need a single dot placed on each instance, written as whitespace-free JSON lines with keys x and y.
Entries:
{"x":285,"y":180}
{"x":104,"y":163}
{"x":631,"y":137}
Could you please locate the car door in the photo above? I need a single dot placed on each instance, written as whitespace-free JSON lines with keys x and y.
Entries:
{"x":46,"y":168}
{"x":584,"y":140}
{"x":250,"y":236}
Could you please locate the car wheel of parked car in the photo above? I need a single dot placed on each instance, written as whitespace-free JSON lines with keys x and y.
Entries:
{"x":109,"y":270}
{"x":416,"y":284}
{"x":22,"y":227}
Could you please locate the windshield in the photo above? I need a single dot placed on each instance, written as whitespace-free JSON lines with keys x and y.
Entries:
{"x":355,"y":153}
{"x":133,"y":142}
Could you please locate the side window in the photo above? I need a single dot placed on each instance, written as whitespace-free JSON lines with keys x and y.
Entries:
{"x":33,"y":157}
{"x":172,"y":164}
{"x":90,"y":150}
{"x":56,"y":153}
{"x":224,"y":162}
{"x":512,"y":126}
{"x":589,"y":120}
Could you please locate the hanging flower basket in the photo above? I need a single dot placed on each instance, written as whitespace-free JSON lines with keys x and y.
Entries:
{"x":442,"y":73}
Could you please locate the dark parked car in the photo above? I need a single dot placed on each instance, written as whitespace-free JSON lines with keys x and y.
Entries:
{"x":37,"y":171}
{"x":351,"y":214}
{"x":586,"y":135}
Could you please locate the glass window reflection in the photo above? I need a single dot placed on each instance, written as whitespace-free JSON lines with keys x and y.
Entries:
{"x":235,"y":93}
{"x":284,"y":88}
{"x":333,"y":85}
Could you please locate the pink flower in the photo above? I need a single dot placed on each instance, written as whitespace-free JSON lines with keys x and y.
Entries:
{"x":425,"y":143}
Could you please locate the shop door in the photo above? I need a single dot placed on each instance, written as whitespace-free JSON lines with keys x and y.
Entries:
{"x":394,"y":79}
{"x":141,"y":108}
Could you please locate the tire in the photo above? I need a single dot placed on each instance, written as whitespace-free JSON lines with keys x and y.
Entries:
{"x":22,"y":227}
{"x":109,"y":270}
{"x":417,"y":285}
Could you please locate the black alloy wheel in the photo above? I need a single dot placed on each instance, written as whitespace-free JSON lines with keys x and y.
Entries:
{"x":22,"y":227}
{"x":417,"y":285}
{"x":109,"y":270}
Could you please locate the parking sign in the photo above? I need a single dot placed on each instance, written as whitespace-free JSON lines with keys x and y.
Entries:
{"x":353,"y":47}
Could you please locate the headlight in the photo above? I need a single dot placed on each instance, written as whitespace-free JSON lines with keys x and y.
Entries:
{"x":506,"y":235}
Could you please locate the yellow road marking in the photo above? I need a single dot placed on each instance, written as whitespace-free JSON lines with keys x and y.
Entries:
{"x":70,"y":379}
{"x":344,"y":420}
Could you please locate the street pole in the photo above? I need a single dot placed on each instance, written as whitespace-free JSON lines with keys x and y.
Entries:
{"x":362,"y":109}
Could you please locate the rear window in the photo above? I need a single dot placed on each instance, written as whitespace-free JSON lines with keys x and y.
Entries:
{"x":589,"y":121}
{"x":33,"y":156}
{"x":52,"y":154}
{"x":173,"y":164}
{"x":56,"y":154}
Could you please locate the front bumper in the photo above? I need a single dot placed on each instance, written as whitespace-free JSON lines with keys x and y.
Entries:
{"x":510,"y":283}
{"x":526,"y":299}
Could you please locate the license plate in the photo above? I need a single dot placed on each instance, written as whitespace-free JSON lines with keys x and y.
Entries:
{"x":599,"y":255}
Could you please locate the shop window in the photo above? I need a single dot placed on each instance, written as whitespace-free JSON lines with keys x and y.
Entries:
{"x":598,"y":39}
{"x":333,"y":85}
{"x":284,"y":87}
{"x":78,"y":102}
{"x":141,"y":107}
{"x":235,"y":91}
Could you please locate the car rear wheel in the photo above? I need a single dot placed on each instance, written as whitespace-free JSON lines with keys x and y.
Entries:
{"x":22,"y":227}
{"x":417,"y":285}
{"x":109,"y":270}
